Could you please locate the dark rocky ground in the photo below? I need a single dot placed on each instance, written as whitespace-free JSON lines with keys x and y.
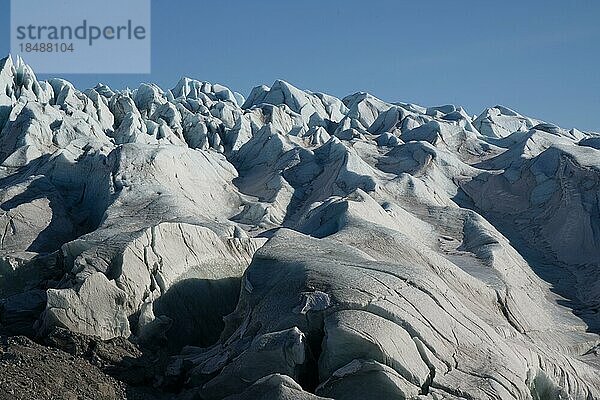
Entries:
{"x":78,"y":368}
{"x":31,"y":371}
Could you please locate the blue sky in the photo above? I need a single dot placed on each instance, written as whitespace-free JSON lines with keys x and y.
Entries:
{"x":541,"y":58}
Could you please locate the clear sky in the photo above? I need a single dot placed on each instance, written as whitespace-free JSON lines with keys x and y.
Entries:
{"x":540,"y":57}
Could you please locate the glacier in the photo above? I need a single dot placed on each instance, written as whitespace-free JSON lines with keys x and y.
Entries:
{"x":293,"y":245}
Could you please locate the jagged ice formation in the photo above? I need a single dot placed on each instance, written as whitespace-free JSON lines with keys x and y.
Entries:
{"x":295,"y":245}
